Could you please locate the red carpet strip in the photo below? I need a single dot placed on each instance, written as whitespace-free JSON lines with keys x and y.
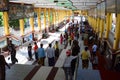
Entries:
{"x":52,"y":73}
{"x":32,"y":73}
{"x":104,"y":72}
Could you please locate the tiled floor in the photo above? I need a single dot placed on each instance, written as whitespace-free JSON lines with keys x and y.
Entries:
{"x":21,"y":70}
{"x":22,"y":54}
{"x":23,"y":67}
{"x":18,"y":72}
{"x":86,"y":74}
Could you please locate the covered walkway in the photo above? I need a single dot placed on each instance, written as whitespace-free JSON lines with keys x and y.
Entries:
{"x":35,"y":72}
{"x":43,"y":21}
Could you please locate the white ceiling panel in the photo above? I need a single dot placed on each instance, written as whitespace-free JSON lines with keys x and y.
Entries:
{"x":78,"y":4}
{"x":90,"y":3}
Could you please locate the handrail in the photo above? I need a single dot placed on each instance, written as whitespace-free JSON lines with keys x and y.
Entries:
{"x":76,"y":69}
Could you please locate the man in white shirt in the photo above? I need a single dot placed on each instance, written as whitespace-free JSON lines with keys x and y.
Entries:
{"x":67,"y":65}
{"x":94,"y":49}
{"x":51,"y":55}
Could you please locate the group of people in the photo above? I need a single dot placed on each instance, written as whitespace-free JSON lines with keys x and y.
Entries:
{"x":72,"y":54}
{"x":52,"y":53}
{"x":71,"y":36}
{"x":3,"y":63}
{"x":11,"y":50}
{"x":86,"y":57}
{"x":71,"y":60}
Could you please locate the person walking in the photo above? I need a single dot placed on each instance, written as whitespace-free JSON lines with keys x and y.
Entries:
{"x":94,"y":50}
{"x":30,"y":52}
{"x":85,"y":56}
{"x":61,"y":39}
{"x":56,"y":49}
{"x":75,"y":51}
{"x":2,"y":67}
{"x":35,"y":51}
{"x":51,"y":55}
{"x":69,"y":40}
{"x":67,"y":65}
{"x":12,"y":50}
{"x":41,"y":55}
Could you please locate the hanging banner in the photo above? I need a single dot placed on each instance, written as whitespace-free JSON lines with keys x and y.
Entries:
{"x":118,"y":6}
{"x":94,"y":12}
{"x":4,"y":5}
{"x":111,"y":6}
{"x":28,"y":10}
{"x":16,"y":11}
{"x":103,"y":10}
{"x":90,"y":12}
{"x":99,"y":10}
{"x":95,"y":15}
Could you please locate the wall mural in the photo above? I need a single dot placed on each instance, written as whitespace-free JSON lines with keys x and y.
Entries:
{"x":4,"y":5}
{"x":20,"y":11}
{"x":15,"y":11}
{"x":28,"y":11}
